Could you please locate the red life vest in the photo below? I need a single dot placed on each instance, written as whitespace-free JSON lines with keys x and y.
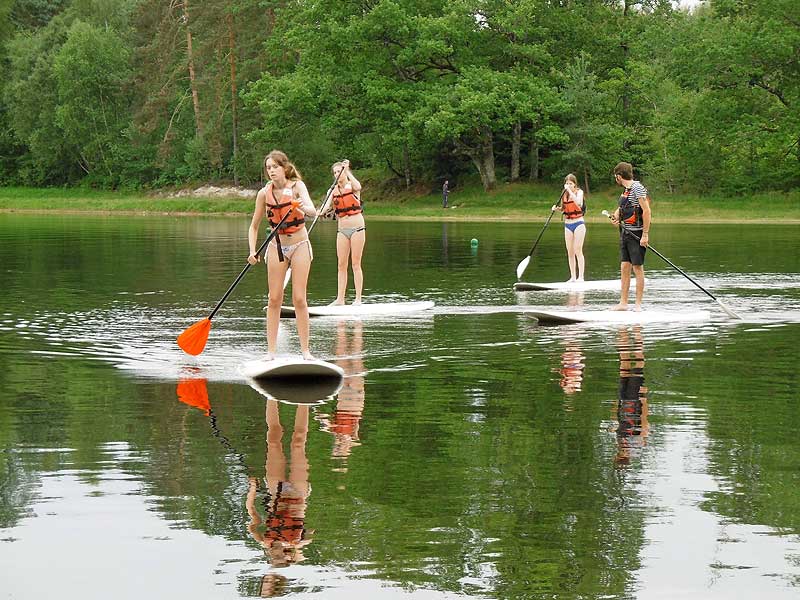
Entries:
{"x":275,"y":212}
{"x":571,"y":209}
{"x":347,"y":204}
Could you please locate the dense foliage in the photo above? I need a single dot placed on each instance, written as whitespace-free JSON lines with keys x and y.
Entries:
{"x":142,"y":93}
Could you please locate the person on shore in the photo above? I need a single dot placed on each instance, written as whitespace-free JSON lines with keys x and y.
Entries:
{"x":633,"y":219}
{"x":445,"y":192}
{"x":345,"y":202}
{"x":284,"y":193}
{"x":573,"y":206}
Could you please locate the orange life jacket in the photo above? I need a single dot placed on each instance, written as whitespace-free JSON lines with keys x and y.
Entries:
{"x":571,"y":209}
{"x":275,"y":212}
{"x":347,"y":204}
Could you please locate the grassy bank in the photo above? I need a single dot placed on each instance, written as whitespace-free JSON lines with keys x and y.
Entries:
{"x":530,"y":202}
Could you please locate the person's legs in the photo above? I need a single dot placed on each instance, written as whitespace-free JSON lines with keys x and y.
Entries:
{"x":568,"y":241}
{"x":301,"y":265}
{"x":577,"y":249}
{"x":625,"y":284}
{"x":276,"y":271}
{"x":342,"y":256}
{"x":638,"y":270}
{"x":357,"y":241}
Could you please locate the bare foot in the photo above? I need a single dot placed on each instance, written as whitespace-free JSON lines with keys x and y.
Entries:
{"x":619,"y":306}
{"x":637,"y":308}
{"x":356,"y":302}
{"x":269,"y":356}
{"x":579,"y":280}
{"x":337,"y":302}
{"x":308,"y":356}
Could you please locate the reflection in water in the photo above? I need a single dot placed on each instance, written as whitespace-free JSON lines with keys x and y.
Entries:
{"x":572,"y":366}
{"x":282,"y":531}
{"x":277,"y":504}
{"x":631,"y":408}
{"x":346,"y":418}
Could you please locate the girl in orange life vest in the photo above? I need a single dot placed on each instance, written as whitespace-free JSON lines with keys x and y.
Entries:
{"x":573,"y":207}
{"x":285,"y":192}
{"x":345,"y":203}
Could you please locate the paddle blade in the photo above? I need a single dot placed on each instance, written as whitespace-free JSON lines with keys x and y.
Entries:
{"x":728,"y":311}
{"x":194,"y":393}
{"x":287,"y":278}
{"x":522,"y":266}
{"x":193,"y":340}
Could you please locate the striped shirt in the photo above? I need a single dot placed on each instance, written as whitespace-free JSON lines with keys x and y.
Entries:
{"x":630,"y":204}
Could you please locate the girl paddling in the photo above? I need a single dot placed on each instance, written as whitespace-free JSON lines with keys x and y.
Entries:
{"x":291,"y":247}
{"x":351,"y":236}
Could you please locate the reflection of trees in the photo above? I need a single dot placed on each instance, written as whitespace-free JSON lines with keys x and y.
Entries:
{"x":443,"y":489}
{"x":752,"y":409}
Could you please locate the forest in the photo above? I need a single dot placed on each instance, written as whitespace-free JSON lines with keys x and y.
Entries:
{"x":144,"y":94}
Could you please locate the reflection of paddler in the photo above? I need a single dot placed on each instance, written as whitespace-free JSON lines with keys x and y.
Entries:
{"x":632,"y":409}
{"x":572,"y":365}
{"x":346,"y":418}
{"x":282,"y":533}
{"x":282,"y":530}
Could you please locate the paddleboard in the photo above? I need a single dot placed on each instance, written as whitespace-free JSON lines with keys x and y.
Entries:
{"x":290,"y":392}
{"x":291,"y":368}
{"x":575,"y":286}
{"x":614,"y":316}
{"x":361,"y":310}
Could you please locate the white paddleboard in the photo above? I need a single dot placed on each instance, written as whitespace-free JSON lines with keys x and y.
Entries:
{"x":575,"y":286}
{"x":562,"y":317}
{"x":288,"y":390}
{"x":361,"y":310}
{"x":291,"y":367}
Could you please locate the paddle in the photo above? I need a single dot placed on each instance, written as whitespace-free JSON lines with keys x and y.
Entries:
{"x":524,"y":262}
{"x":678,"y":269}
{"x":193,"y":339}
{"x":314,"y":222}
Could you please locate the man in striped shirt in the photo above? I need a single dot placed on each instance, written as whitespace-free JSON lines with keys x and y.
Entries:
{"x":633,"y":218}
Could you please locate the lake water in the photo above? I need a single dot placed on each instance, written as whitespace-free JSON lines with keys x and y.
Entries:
{"x":470,"y":454}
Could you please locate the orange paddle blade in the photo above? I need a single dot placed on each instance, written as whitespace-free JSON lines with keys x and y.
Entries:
{"x":194,"y":393}
{"x":193,"y":340}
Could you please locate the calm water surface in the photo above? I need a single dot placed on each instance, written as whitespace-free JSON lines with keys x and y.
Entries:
{"x":470,"y":453}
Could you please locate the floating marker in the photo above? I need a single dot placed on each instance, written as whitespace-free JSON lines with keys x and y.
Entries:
{"x":473,"y":242}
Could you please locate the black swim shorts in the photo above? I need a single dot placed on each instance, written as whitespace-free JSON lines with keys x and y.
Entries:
{"x":630,"y":250}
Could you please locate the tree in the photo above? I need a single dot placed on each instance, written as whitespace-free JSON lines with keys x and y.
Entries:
{"x":91,"y":73}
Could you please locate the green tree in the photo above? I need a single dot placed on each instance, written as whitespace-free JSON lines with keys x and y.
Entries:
{"x":91,"y":74}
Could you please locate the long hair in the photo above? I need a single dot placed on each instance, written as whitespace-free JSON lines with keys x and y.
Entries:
{"x":573,"y":179}
{"x":292,"y":174}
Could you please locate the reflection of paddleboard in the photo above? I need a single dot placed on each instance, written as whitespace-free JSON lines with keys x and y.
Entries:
{"x":361,"y":310}
{"x":575,"y":286}
{"x":286,"y":390}
{"x":292,"y":368}
{"x":613,"y":316}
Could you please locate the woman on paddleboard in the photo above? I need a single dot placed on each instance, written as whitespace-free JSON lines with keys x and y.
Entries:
{"x":284,"y":193}
{"x":573,"y":206}
{"x":345,"y":204}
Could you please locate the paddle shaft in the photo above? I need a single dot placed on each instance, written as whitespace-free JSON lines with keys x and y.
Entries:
{"x":678,"y":269}
{"x":263,"y":245}
{"x":541,"y":233}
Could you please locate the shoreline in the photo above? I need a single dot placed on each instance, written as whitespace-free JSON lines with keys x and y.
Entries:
{"x":518,"y":218}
